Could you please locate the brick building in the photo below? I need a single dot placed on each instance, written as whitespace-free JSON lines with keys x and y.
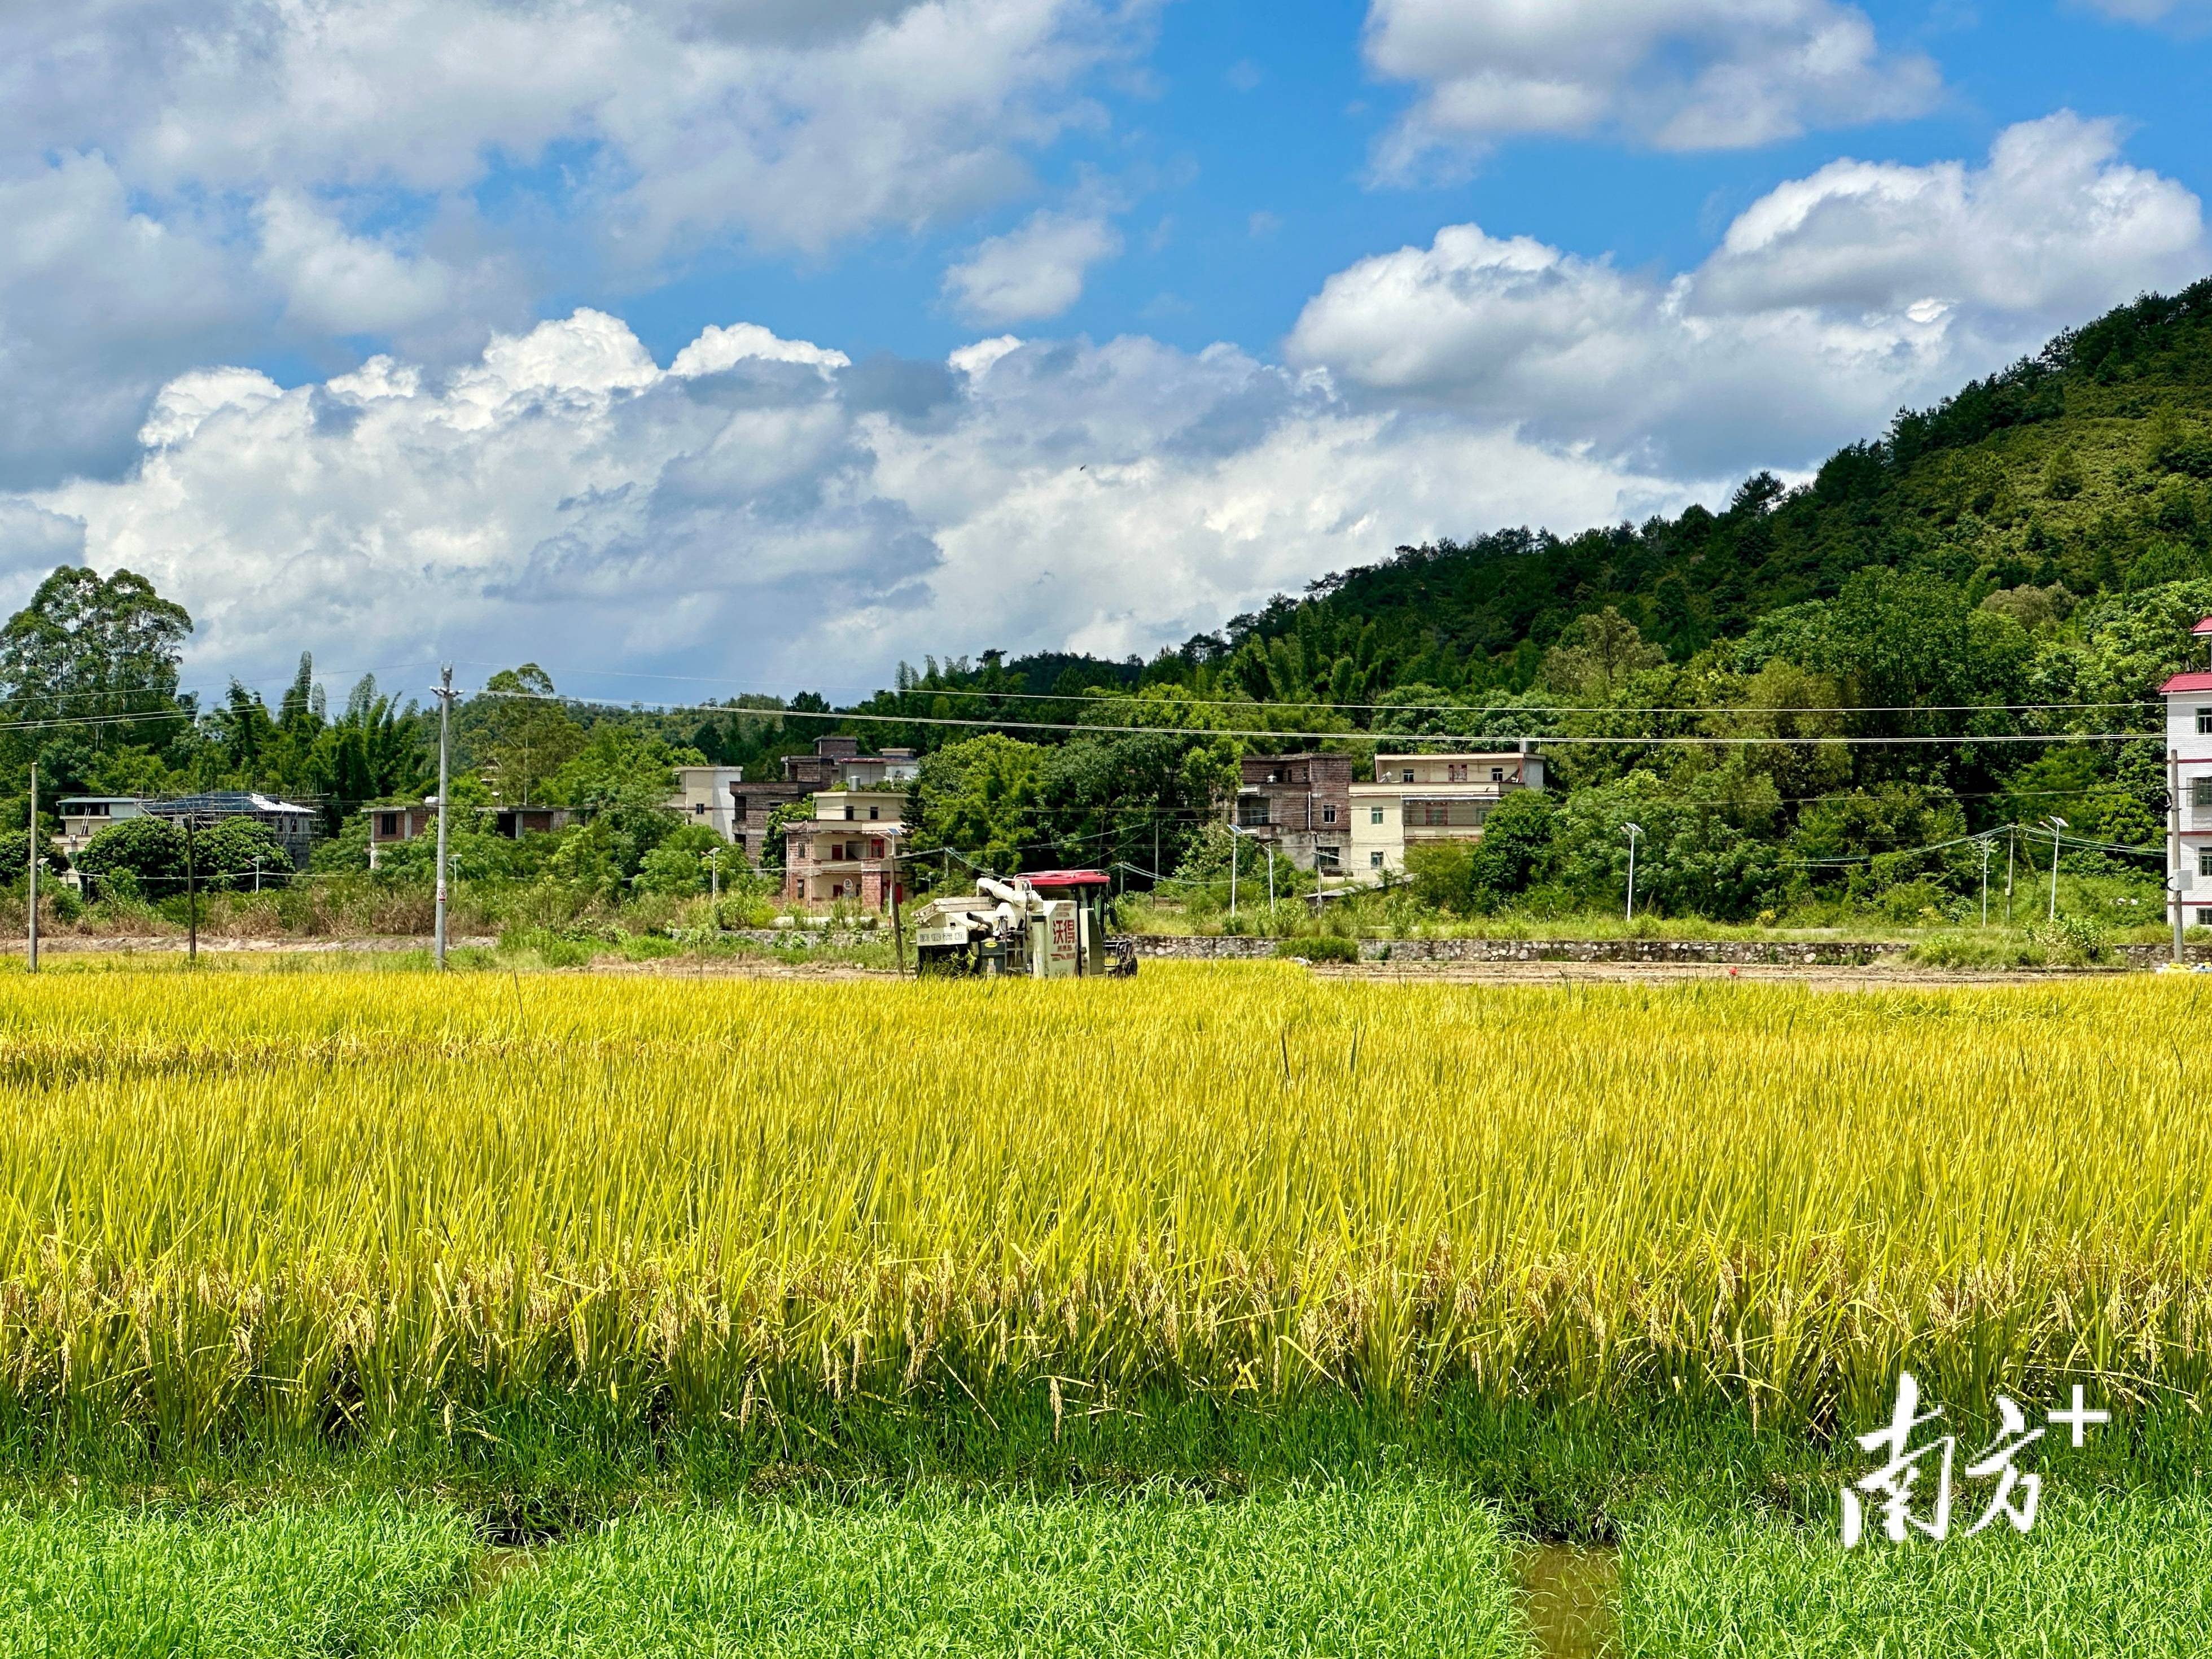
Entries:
{"x":846,"y":850}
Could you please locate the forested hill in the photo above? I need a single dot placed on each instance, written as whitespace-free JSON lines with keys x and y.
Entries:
{"x":2083,"y":467}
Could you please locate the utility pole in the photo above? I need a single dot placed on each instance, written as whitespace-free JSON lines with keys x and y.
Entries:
{"x":1232,"y":872}
{"x":2056,"y":824}
{"x":1985,"y":881}
{"x":2173,"y":875}
{"x":2012,"y":846}
{"x":1634,"y":830}
{"x":191,"y":887}
{"x":444,"y":693}
{"x":714,"y":875}
{"x":33,"y":870}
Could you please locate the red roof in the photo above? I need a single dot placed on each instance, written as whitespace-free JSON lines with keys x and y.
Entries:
{"x":1074,"y":877}
{"x":2199,"y":681}
{"x":2204,"y":627}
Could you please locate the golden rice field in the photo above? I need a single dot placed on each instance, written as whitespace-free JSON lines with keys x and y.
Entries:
{"x":314,"y":1201}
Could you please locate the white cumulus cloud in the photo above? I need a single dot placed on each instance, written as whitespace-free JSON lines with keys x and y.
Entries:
{"x":187,"y":181}
{"x":1677,"y":74}
{"x":765,"y":511}
{"x":1032,"y":272}
{"x":1829,"y":303}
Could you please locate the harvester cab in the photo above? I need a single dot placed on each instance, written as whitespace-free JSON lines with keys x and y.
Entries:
{"x":1049,"y":926}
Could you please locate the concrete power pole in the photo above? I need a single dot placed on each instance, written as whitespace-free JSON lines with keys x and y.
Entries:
{"x":32,"y":961}
{"x":445,"y":694}
{"x":2173,"y":841}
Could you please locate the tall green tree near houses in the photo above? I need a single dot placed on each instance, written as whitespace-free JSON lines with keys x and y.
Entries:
{"x":86,"y":650}
{"x":520,"y":735}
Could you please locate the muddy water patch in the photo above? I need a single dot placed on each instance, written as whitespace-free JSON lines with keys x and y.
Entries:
{"x":1571,"y":1592}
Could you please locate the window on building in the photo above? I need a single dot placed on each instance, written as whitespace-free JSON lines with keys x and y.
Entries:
{"x":1328,"y":815}
{"x":1375,"y":815}
{"x":2200,"y":793}
{"x":2204,"y":917}
{"x":698,"y":807}
{"x":1408,"y":777}
{"x":848,"y":814}
{"x":2204,"y":861}
{"x":1454,"y":774}
{"x":1328,"y":858}
{"x":387,"y":823}
{"x":875,"y":812}
{"x":1251,"y":811}
{"x":1497,"y":774}
{"x":2203,"y":722}
{"x":1375,"y":860}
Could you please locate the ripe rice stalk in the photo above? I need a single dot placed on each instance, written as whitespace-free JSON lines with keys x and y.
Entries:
{"x":354,"y":1204}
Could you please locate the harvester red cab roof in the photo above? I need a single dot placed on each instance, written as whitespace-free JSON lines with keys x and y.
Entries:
{"x":1068,"y":878}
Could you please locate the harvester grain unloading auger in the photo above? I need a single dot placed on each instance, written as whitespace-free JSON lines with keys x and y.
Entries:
{"x":1048,"y":926}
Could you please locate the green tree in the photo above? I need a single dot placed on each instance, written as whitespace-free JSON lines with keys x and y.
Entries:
{"x":142,"y":856}
{"x":682,"y":864}
{"x":623,"y":779}
{"x":235,"y":852}
{"x":980,"y":798}
{"x":521,"y":734}
{"x":87,"y":646}
{"x":375,"y":750}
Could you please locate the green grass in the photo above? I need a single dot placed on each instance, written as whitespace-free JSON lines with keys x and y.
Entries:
{"x":1402,"y":1572}
{"x":92,"y":1582}
{"x":2099,"y":1577}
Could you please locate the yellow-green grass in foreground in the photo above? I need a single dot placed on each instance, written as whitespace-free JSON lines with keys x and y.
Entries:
{"x":2107,"y":1577}
{"x":340,"y":1205}
{"x":87,"y":1581}
{"x":1400,"y":1572}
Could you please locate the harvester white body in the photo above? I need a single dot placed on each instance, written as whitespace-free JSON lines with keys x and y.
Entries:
{"x":1051,"y":929}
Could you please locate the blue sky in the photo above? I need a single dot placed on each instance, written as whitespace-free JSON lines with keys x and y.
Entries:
{"x":742,"y":339}
{"x":1248,"y":109}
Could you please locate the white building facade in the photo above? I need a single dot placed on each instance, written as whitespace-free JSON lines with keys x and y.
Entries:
{"x":1427,"y":798}
{"x":2189,"y":786}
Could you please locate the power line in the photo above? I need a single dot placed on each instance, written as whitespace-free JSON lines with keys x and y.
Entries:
{"x":1105,"y":694}
{"x":1580,"y":739}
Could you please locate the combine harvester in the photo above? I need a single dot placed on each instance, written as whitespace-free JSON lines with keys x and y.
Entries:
{"x":1049,"y":926}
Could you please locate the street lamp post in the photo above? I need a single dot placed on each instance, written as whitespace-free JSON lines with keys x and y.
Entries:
{"x":2056,"y":824}
{"x":1634,"y":830}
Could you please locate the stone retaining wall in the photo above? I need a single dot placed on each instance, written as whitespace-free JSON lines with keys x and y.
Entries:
{"x":1804,"y":953}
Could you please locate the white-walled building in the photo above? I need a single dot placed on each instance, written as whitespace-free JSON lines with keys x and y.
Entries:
{"x":2189,"y":782}
{"x":704,"y":796}
{"x":1423,"y":798}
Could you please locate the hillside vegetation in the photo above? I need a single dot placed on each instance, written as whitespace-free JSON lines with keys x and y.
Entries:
{"x":2022,"y":560}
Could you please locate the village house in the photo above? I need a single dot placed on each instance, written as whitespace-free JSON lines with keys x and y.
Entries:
{"x":2188,"y":787}
{"x":706,"y":795}
{"x":835,"y":760}
{"x":1299,"y":805}
{"x":390,"y":825}
{"x":292,"y":823}
{"x":847,"y":850}
{"x":84,"y":817}
{"x":1427,"y":798}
